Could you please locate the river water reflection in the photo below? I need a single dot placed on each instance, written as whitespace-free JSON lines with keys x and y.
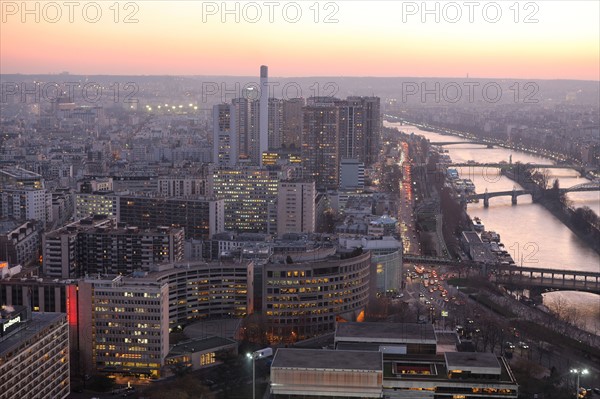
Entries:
{"x":531,"y":234}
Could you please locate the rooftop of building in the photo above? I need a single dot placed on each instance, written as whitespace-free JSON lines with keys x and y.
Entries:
{"x":385,"y":332}
{"x":133,"y":230}
{"x":108,"y":224}
{"x":327,"y":359}
{"x":18,"y":173}
{"x":384,"y":220}
{"x":475,"y":362}
{"x":6,"y":312}
{"x":25,"y":277}
{"x":86,"y":223}
{"x":200,"y":345}
{"x":437,"y":369}
{"x":374,"y":243}
{"x":37,"y":323}
{"x":9,"y":225}
{"x":158,"y":271}
{"x":447,"y":338}
{"x":471,"y":237}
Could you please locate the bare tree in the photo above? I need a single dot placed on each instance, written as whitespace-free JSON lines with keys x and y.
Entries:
{"x":542,"y":178}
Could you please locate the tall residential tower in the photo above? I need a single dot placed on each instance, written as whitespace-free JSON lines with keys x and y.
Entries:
{"x":264,"y":112}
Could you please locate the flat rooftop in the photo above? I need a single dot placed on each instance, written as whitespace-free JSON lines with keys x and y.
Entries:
{"x":19,"y":173}
{"x":385,"y":332}
{"x":447,"y":337}
{"x":439,"y":369}
{"x":475,"y":362}
{"x":200,"y":345}
{"x":9,"y":225}
{"x":37,"y":323}
{"x":327,"y":359}
{"x":472,"y":237}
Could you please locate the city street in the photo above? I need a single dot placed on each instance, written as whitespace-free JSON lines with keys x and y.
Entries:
{"x":406,"y":220}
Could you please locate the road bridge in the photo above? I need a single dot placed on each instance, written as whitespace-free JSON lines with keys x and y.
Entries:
{"x":530,"y":277}
{"x":432,"y":260}
{"x":506,"y":165}
{"x":589,"y":186}
{"x":514,"y":193}
{"x":442,"y":143}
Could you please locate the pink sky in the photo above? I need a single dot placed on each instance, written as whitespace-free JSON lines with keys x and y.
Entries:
{"x":368,"y":39}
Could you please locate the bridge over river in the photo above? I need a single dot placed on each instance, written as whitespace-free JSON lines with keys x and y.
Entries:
{"x":525,"y":277}
{"x":514,"y":193}
{"x":530,"y":277}
{"x":508,"y":165}
{"x":440,"y":143}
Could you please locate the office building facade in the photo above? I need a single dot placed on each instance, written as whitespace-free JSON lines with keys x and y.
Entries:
{"x":98,"y":245}
{"x":225,"y":143}
{"x":90,"y":204}
{"x":175,"y":186}
{"x":59,"y":247}
{"x":296,"y":207}
{"x":249,"y":196}
{"x":292,"y":123}
{"x":352,"y":174}
{"x":301,"y":300}
{"x":199,"y":217}
{"x":26,"y":203}
{"x":20,"y":243}
{"x":199,"y":290}
{"x":34,"y":354}
{"x":320,"y":141}
{"x":124,"y":325}
{"x":122,"y":250}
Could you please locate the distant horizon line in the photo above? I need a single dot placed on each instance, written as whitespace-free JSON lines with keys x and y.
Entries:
{"x":301,"y":77}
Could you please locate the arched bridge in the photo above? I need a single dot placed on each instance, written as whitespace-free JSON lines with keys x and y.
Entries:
{"x":487,"y":195}
{"x":547,"y":278}
{"x":589,"y":186}
{"x":461,"y":142}
{"x":514,"y":193}
{"x":504,"y":165}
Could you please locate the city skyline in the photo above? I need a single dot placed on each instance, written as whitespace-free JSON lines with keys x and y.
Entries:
{"x":391,"y":199}
{"x":541,"y":40}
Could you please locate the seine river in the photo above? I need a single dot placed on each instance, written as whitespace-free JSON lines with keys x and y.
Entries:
{"x":531,"y":234}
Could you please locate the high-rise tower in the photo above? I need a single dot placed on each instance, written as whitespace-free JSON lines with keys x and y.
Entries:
{"x":225,"y":141}
{"x":264,"y":112}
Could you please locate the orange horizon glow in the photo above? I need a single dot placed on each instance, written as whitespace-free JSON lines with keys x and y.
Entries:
{"x":369,"y":40}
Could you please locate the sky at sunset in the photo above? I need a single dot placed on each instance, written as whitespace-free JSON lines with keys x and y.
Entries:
{"x":502,"y":39}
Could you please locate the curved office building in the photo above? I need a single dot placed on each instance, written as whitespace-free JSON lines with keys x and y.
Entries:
{"x":301,"y":300}
{"x":199,"y":290}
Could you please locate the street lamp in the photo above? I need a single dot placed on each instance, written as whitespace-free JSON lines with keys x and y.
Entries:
{"x":578,"y":373}
{"x":259,"y":354}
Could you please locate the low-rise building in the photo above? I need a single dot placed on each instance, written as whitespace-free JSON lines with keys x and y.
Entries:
{"x":198,"y":353}
{"x":403,"y":356}
{"x":399,"y":338}
{"x":306,"y":373}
